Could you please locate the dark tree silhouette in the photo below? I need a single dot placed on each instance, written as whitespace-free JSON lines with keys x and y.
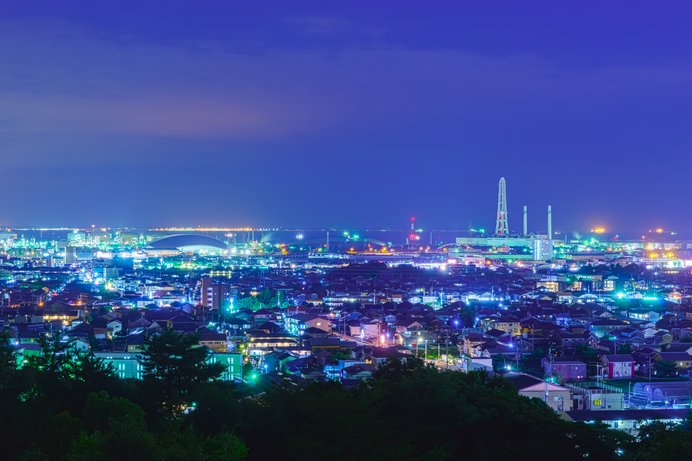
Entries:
{"x":173,"y":363}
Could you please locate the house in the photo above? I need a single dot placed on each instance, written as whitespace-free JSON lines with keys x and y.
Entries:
{"x":276,"y":361}
{"x":260,"y":342}
{"x":645,"y":359}
{"x":470,"y":343}
{"x":603,"y":327}
{"x":361,"y":372}
{"x":297,"y":324}
{"x":683,"y":360}
{"x":564,"y":369}
{"x":114,"y":327}
{"x":509,"y":325}
{"x":556,"y":397}
{"x":213,"y":340}
{"x":79,"y":345}
{"x":570,"y":341}
{"x":617,"y":366}
{"x":381,"y":355}
{"x":135,"y":342}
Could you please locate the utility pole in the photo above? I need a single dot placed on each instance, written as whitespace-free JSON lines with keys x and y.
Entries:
{"x":516,"y":355}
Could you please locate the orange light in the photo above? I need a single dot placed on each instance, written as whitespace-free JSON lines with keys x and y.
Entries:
{"x":598,"y":230}
{"x":659,"y":230}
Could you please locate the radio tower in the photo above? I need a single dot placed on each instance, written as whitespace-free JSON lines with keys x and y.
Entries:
{"x":502,"y":225}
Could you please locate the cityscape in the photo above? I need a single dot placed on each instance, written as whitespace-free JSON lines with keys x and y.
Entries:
{"x":529,"y":304}
{"x":596,"y":327}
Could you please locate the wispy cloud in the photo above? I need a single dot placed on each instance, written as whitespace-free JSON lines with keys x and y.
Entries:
{"x":61,"y":79}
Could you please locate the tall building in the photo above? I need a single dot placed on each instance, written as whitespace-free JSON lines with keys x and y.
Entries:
{"x":214,"y":296}
{"x":502,"y":224}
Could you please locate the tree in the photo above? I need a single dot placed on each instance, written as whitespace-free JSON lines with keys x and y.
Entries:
{"x":174,"y":363}
{"x":666,"y":368}
{"x":86,"y":368}
{"x":424,"y":414}
{"x":48,"y":370}
{"x":52,"y":359}
{"x":8,"y":362}
{"x":662,"y":442}
{"x":225,"y":447}
{"x":249,"y":303}
{"x":116,"y":429}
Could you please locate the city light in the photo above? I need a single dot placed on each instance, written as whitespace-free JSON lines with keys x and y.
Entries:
{"x":345,"y":230}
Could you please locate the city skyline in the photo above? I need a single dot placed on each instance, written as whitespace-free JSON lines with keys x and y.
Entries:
{"x":336,"y":116}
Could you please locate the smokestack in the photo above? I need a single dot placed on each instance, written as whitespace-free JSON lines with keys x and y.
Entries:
{"x":550,"y":222}
{"x":526,"y":220}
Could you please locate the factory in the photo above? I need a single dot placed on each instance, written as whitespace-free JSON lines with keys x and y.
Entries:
{"x":506,"y":246}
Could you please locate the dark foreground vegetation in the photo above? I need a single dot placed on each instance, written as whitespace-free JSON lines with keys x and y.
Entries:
{"x":66,"y":406}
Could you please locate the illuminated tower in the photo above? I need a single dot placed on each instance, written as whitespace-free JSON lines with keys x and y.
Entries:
{"x":502,"y":225}
{"x":412,"y":237}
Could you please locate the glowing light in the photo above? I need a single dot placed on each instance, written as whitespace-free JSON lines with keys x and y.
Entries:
{"x":598,"y":230}
{"x":659,"y":230}
{"x":300,"y":236}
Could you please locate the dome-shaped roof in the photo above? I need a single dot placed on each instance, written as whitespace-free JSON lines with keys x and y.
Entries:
{"x":188,"y":242}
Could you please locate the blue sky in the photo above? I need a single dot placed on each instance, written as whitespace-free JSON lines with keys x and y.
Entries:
{"x":353,"y":114}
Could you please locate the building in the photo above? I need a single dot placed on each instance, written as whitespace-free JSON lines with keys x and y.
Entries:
{"x":217,"y":342}
{"x":556,"y":397}
{"x":617,"y":366}
{"x":297,"y":324}
{"x":542,"y":249}
{"x":509,"y":325}
{"x":629,"y":421}
{"x":260,"y":342}
{"x":596,"y":397}
{"x":127,"y":366}
{"x":186,"y":243}
{"x":214,"y":296}
{"x":564,"y":370}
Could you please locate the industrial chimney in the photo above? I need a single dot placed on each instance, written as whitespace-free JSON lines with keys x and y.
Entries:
{"x":550,"y":222}
{"x":526,"y":220}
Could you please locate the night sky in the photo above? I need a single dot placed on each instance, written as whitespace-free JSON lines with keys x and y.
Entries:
{"x":345,"y":114}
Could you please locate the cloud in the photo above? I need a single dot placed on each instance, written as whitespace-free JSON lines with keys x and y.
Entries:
{"x":334,"y":27}
{"x":60,"y":79}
